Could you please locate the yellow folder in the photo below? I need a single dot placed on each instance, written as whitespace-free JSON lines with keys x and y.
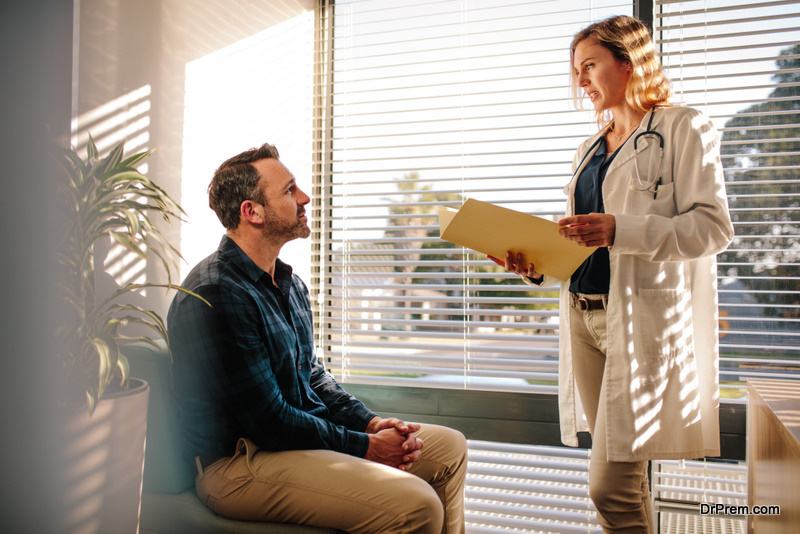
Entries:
{"x":494,"y":230}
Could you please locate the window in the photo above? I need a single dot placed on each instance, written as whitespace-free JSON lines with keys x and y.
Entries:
{"x":431,"y":103}
{"x":426,"y":104}
{"x":740,"y":63}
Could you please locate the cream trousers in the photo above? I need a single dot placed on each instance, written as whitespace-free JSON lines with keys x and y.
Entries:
{"x":330,"y":489}
{"x":620,"y":490}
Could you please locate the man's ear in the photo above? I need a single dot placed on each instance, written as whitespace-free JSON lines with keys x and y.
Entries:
{"x":247,"y":211}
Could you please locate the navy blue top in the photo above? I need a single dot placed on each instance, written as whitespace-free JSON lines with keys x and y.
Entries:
{"x":246,"y":366}
{"x":593,"y":276}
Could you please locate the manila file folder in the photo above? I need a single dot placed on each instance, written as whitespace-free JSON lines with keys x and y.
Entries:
{"x":494,"y":230}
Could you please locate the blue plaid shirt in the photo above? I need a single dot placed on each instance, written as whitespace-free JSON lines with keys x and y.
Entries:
{"x":246,"y":366}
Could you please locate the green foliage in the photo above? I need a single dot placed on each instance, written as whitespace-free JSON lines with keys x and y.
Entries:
{"x":107,"y":199}
{"x":409,"y":215}
{"x":764,"y":189}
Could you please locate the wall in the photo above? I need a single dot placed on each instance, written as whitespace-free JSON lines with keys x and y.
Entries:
{"x":132,"y":63}
{"x":35,"y":65}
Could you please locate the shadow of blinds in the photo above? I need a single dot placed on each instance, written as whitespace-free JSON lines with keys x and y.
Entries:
{"x":126,"y":117}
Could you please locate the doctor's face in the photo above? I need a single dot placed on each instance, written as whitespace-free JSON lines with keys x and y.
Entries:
{"x":601,"y":76}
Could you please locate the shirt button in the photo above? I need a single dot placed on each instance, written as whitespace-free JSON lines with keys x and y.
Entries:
{"x":299,"y":367}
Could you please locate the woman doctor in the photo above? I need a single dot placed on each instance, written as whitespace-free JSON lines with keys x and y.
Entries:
{"x":638,"y":325}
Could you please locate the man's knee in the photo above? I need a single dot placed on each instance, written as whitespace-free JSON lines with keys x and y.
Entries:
{"x":456,"y":442}
{"x":445,"y":441}
{"x":422,"y":509}
{"x":457,"y":445}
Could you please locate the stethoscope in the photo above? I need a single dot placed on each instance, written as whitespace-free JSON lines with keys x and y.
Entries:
{"x":653,"y":184}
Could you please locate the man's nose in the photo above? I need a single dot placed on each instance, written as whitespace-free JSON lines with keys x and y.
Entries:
{"x":302,"y":198}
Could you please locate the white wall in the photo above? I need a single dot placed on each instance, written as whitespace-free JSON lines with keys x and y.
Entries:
{"x":217,"y":77}
{"x":256,"y":90}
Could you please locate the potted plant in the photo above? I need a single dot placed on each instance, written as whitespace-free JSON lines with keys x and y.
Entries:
{"x":106,"y":199}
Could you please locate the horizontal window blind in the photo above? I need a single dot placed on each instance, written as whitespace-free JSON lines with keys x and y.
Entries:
{"x":522,"y":488}
{"x":424,"y":105}
{"x":740,"y":63}
{"x":431,"y":103}
{"x":680,"y":487}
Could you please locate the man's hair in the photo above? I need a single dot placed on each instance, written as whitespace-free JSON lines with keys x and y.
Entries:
{"x":235,"y":181}
{"x":629,"y":40}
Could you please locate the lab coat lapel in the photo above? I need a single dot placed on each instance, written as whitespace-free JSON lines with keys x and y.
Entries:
{"x":568,"y":188}
{"x":627,"y":152}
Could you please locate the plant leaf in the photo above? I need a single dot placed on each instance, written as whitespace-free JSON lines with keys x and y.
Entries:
{"x":107,"y":198}
{"x":91,"y":150}
{"x":104,"y":363}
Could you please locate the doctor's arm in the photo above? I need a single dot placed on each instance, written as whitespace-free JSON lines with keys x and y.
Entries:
{"x":701,"y":225}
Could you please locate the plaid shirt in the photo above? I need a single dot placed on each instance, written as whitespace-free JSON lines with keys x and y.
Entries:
{"x":246,"y":366}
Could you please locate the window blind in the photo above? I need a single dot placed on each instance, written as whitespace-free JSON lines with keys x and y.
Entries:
{"x":428,"y":104}
{"x":740,"y":63}
{"x":523,"y":488}
{"x":679,"y":487}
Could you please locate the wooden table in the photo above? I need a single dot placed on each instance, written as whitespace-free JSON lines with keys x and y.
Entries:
{"x":773,"y":454}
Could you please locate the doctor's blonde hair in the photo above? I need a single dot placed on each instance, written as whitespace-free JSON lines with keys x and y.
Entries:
{"x":629,"y":40}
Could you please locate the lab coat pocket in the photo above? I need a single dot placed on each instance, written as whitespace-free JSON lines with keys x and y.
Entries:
{"x":655,"y":201}
{"x":664,"y":201}
{"x":660,"y":323}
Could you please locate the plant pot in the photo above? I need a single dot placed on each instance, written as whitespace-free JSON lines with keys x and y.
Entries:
{"x":103,"y":460}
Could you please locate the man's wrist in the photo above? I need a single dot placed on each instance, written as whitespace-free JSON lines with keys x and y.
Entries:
{"x":372,"y":425}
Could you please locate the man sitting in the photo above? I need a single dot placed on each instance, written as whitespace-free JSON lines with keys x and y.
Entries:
{"x":274,"y":437}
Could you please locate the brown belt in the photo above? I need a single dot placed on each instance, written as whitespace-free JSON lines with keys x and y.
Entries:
{"x":588,"y":304}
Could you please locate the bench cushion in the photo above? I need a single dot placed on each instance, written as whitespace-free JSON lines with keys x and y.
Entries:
{"x":169,"y":502}
{"x":165,"y":468}
{"x":185,"y":514}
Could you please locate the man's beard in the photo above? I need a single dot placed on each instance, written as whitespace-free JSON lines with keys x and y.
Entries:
{"x":275,"y":228}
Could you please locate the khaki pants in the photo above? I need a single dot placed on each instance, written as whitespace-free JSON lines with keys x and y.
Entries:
{"x":330,"y":489}
{"x":620,"y":490}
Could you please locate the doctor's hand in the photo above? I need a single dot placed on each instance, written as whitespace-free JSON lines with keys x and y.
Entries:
{"x":592,"y":230}
{"x":515,"y":263}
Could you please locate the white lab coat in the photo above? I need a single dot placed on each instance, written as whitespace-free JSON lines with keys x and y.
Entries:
{"x":661,"y":375}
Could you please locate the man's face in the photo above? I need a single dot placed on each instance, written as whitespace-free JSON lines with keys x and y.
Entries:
{"x":284,"y":212}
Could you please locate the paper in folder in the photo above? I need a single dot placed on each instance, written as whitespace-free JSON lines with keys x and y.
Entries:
{"x":494,"y":230}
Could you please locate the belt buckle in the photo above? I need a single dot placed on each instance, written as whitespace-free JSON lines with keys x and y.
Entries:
{"x":583,"y":303}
